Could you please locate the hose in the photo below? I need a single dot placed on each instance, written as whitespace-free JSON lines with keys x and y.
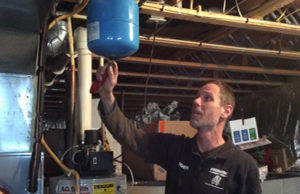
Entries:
{"x":65,"y":168}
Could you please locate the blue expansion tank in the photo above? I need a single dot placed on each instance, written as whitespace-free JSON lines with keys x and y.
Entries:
{"x":113,"y":27}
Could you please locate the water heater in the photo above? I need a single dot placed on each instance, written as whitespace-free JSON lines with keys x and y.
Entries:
{"x":113,"y":27}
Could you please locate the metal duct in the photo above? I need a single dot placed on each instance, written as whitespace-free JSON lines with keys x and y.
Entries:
{"x":57,"y":60}
{"x":55,"y":66}
{"x":56,"y":37}
{"x":20,"y":26}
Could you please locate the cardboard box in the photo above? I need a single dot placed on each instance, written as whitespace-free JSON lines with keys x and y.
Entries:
{"x":278,"y":154}
{"x":173,"y":127}
{"x":146,"y":171}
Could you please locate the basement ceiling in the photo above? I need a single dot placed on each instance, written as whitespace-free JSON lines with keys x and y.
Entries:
{"x":253,"y":46}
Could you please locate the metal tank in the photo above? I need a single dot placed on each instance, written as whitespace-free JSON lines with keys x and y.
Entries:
{"x":93,"y":185}
{"x":113,"y":27}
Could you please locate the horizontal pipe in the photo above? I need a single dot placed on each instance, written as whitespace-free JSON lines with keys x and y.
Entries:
{"x":169,"y":87}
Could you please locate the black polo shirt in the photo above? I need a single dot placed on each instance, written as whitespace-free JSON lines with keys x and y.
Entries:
{"x":226,"y":169}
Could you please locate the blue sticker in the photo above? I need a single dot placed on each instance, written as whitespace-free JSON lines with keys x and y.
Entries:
{"x":245,"y":135}
{"x":237,"y":136}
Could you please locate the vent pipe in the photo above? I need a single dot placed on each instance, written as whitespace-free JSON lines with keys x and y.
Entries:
{"x":84,"y":100}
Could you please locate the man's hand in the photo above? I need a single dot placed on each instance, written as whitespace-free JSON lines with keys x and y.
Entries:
{"x":109,"y":72}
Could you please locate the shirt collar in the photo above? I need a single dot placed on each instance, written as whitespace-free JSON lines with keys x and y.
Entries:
{"x":223,"y":152}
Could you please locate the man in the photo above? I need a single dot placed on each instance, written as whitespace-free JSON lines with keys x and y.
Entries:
{"x":206,"y":164}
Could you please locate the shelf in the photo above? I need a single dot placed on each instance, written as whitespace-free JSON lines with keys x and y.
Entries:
{"x":258,"y":143}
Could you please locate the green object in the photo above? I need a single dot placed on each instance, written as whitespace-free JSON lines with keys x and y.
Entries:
{"x":253,"y":134}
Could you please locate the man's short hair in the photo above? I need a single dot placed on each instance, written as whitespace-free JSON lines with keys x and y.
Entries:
{"x":226,"y":93}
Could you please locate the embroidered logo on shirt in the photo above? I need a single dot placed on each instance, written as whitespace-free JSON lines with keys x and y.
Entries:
{"x":217,"y":178}
{"x":183,"y":166}
{"x":219,"y":172}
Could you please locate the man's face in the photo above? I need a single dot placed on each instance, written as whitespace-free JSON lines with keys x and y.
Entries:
{"x":207,"y":109}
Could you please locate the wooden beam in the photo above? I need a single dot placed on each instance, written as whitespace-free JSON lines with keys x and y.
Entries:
{"x":154,"y":98}
{"x":158,"y":86}
{"x":233,"y":68}
{"x":199,"y":79}
{"x":297,"y":3}
{"x":138,"y":105}
{"x":170,"y":87}
{"x":193,"y":45}
{"x":155,"y":94}
{"x":265,"y":8}
{"x":258,"y":13}
{"x":219,"y":19}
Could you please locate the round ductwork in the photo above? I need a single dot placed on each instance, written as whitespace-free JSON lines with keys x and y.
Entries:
{"x":56,"y":37}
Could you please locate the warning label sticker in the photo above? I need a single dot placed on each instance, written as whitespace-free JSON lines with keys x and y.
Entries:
{"x":104,"y":188}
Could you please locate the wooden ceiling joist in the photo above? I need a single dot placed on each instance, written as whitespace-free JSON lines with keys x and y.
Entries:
{"x":200,"y":79}
{"x":157,"y":86}
{"x":170,"y":87}
{"x":262,"y":7}
{"x":233,"y":68}
{"x":219,"y":19}
{"x":135,"y":99}
{"x":265,"y":8}
{"x":154,"y":94}
{"x":193,"y":45}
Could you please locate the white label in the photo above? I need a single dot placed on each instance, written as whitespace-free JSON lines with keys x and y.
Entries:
{"x":93,"y":31}
{"x":70,"y":189}
{"x":243,"y":132}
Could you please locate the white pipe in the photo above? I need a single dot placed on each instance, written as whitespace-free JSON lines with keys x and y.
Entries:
{"x":84,"y":100}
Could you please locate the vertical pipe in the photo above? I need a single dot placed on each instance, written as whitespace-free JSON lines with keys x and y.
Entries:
{"x":36,"y":153}
{"x":103,"y":132}
{"x":84,"y":81}
{"x":70,"y":135}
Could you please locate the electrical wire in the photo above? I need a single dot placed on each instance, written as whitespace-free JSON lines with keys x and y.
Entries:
{"x":235,"y":6}
{"x":75,"y":11}
{"x":281,"y":16}
{"x":118,"y":156}
{"x":69,"y":149}
{"x":150,"y":67}
{"x":297,"y":10}
{"x":73,"y":157}
{"x":65,"y":168}
{"x":130,"y":171}
{"x":238,"y":8}
{"x":224,"y":6}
